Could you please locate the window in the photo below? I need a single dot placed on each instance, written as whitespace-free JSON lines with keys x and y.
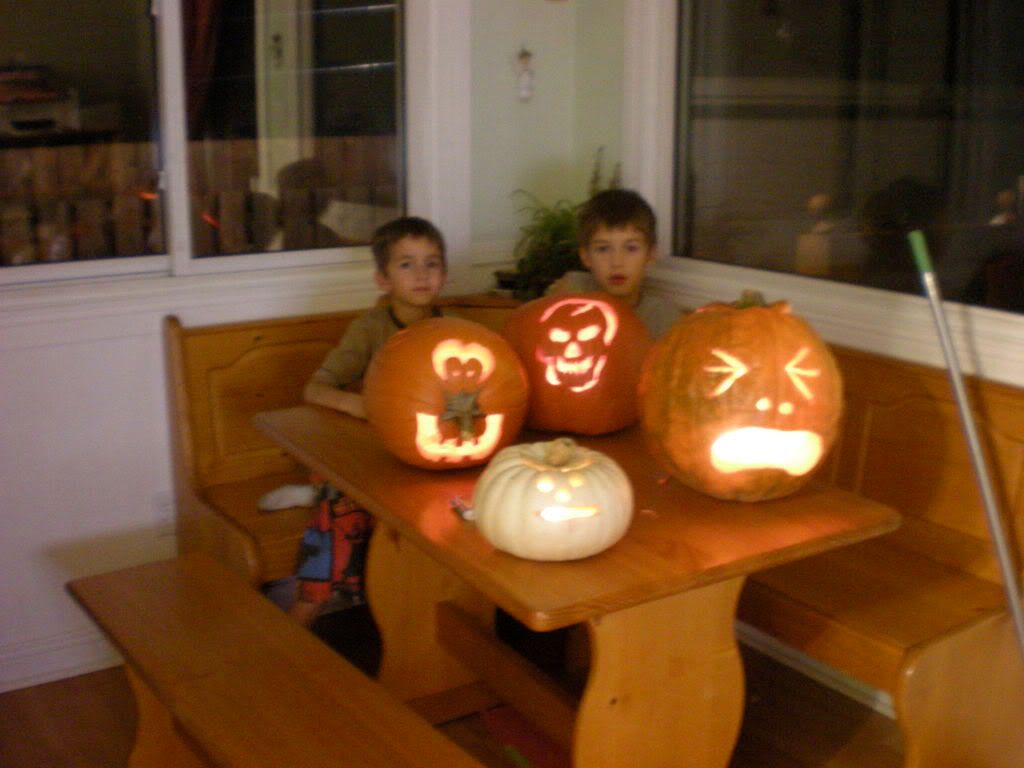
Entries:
{"x":78,"y":152}
{"x":293,"y":116}
{"x":814,"y":135}
{"x":289,"y":131}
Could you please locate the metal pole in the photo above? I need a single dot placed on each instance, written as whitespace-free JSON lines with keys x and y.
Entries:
{"x":919,"y":248}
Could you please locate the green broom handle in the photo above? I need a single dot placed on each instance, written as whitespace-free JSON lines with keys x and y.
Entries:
{"x":919,"y":248}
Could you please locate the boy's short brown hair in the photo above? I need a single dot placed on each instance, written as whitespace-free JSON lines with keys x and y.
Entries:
{"x":388,"y":234}
{"x":615,"y":209}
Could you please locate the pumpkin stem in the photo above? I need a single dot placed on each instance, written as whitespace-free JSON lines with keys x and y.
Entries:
{"x":560,"y":451}
{"x":462,"y":408}
{"x":750,"y":298}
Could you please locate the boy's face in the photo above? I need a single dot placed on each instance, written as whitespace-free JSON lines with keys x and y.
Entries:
{"x":617,"y":258}
{"x":415,"y":272}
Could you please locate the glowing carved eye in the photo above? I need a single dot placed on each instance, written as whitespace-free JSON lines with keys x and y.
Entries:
{"x":451,"y":355}
{"x":734,"y":368}
{"x":545,"y":485}
{"x":796,"y":375}
{"x":559,"y":335}
{"x":588,"y":333}
{"x":576,"y":481}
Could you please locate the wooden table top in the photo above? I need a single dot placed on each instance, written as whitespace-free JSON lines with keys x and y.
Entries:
{"x":678,"y":539}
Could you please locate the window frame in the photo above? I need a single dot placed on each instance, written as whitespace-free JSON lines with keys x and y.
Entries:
{"x":989,"y":342}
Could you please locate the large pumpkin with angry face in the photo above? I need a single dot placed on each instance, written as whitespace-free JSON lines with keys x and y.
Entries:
{"x":741,"y":401}
{"x":445,"y":392}
{"x":582,"y":354}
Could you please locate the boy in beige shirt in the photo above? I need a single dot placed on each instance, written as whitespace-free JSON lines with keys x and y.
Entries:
{"x":617,"y":240}
{"x":410,"y":269}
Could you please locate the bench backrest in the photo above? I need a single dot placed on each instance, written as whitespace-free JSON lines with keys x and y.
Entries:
{"x":902,"y":444}
{"x":222,"y":375}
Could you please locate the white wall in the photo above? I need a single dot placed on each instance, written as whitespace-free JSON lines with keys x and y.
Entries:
{"x":520,"y":145}
{"x":544,"y":146}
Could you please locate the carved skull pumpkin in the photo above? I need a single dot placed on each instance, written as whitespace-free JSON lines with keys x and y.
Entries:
{"x":552,"y":501}
{"x":445,"y":392}
{"x":741,"y":401}
{"x":582,"y":354}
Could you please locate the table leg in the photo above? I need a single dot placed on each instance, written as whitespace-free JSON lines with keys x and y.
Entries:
{"x":158,"y":744}
{"x":404,"y":586}
{"x":666,"y":683}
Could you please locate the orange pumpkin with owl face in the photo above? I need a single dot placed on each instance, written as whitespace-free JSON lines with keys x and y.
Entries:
{"x":445,"y":393}
{"x":582,"y":354}
{"x":741,"y":401}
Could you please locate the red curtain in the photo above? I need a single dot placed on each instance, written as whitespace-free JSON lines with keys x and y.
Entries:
{"x":200,"y":19}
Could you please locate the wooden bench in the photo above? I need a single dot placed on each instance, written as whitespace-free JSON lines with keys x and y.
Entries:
{"x":919,"y":613}
{"x":222,"y":677}
{"x":219,"y":377}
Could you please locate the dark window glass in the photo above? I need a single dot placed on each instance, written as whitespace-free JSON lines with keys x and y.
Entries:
{"x":814,"y":135}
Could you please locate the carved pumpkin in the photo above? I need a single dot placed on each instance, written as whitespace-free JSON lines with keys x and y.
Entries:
{"x":741,"y":401}
{"x":445,"y":392}
{"x":552,"y":501}
{"x":582,"y":354}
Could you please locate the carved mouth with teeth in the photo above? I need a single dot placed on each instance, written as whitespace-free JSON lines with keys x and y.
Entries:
{"x":432,"y":443}
{"x":578,"y":375}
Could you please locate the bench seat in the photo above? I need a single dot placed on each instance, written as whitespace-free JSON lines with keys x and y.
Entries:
{"x":274,"y":535}
{"x":863,"y":608}
{"x":222,"y":677}
{"x":919,"y":613}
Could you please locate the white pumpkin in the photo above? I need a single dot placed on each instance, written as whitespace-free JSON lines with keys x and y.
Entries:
{"x":552,"y":501}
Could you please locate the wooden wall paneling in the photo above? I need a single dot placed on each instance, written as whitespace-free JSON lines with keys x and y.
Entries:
{"x":95,"y":177}
{"x":17,"y":245}
{"x":16,"y":174}
{"x":204,"y":224}
{"x":53,"y":231}
{"x":70,"y":167}
{"x":45,"y":173}
{"x":123,"y":167}
{"x":154,"y":223}
{"x":127,"y":214}
{"x":244,"y":163}
{"x":263,"y":222}
{"x":232,"y":219}
{"x":91,"y":239}
{"x":196,"y":169}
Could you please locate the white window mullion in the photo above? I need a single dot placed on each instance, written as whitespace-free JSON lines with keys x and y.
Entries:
{"x":173,"y":135}
{"x":648,"y":114}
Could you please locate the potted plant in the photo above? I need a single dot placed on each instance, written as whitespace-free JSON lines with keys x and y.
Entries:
{"x":548,"y":246}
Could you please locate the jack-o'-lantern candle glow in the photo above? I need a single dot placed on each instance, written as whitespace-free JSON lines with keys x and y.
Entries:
{"x":445,"y":392}
{"x":741,"y":401}
{"x":582,"y":354}
{"x":552,"y":501}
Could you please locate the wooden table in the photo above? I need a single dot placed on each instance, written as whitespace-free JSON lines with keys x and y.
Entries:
{"x":665,"y":686}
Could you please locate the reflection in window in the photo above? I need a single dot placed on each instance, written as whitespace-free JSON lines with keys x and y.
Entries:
{"x":78,"y":153}
{"x":293,"y":122}
{"x":814,"y":135}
